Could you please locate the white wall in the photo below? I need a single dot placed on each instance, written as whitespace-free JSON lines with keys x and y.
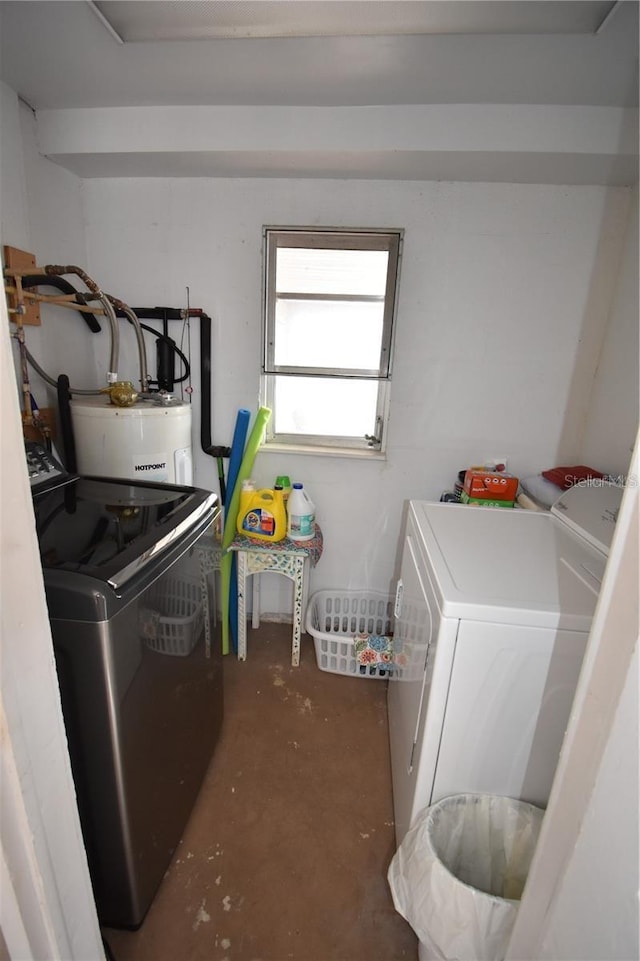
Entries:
{"x":13,"y":199}
{"x":609,"y":838}
{"x":47,"y":908}
{"x":41,"y":212}
{"x":581,"y":897}
{"x":496,"y":283}
{"x":612,"y":416}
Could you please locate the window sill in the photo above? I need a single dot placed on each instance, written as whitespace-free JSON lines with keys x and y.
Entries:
{"x":314,"y":451}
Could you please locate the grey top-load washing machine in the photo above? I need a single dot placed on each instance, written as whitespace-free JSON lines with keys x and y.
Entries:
{"x":141,"y":696}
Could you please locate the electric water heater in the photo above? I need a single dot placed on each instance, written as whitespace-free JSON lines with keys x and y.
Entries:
{"x":151,"y":440}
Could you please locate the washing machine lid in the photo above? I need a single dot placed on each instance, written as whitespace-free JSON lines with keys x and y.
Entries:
{"x":112,"y":529}
{"x":508,"y":566}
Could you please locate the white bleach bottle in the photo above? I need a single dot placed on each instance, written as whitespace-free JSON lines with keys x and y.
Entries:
{"x":301,"y":515}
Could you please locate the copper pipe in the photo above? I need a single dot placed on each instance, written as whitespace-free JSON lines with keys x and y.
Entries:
{"x":72,"y":269}
{"x":62,"y":300}
{"x":22,"y":350}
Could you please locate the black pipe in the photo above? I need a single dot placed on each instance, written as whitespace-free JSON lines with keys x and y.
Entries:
{"x":166,"y":347}
{"x":46,"y":280}
{"x":165,"y":355}
{"x":205,"y":404}
{"x":171,"y":344}
{"x":165,"y":364}
{"x":66,"y":427}
{"x":205,"y":390}
{"x":159,"y":313}
{"x":205,"y":385}
{"x":173,"y":313}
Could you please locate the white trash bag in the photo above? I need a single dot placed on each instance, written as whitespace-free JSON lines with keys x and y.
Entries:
{"x":459,"y":873}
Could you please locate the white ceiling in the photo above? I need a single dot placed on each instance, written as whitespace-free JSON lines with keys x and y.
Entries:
{"x":203,"y":20}
{"x":59,"y":56}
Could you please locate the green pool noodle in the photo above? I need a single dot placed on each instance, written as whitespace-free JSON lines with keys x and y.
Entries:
{"x":231,"y":516}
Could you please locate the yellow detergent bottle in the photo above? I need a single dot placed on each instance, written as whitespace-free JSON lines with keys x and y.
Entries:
{"x":263,"y":515}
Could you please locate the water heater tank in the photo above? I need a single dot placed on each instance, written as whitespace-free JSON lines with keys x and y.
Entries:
{"x":150,"y":440}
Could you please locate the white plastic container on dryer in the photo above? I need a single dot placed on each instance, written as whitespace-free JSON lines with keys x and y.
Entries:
{"x":150,"y":441}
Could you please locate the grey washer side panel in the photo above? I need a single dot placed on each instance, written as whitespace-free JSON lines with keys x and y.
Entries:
{"x":141,"y":728}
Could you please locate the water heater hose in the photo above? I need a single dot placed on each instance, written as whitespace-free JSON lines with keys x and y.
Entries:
{"x":95,"y":294}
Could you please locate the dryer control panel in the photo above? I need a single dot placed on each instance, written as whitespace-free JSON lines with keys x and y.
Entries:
{"x":591,"y":511}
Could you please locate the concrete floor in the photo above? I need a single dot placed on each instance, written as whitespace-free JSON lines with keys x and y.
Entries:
{"x":285,"y":855}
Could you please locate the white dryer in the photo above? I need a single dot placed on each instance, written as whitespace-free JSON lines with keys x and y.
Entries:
{"x":493,"y":611}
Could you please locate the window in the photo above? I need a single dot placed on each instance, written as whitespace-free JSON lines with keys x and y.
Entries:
{"x":329,"y":305}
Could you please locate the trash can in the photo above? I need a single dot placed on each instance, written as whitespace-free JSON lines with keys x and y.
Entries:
{"x":459,"y":873}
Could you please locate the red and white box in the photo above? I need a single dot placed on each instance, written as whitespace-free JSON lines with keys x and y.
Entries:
{"x":482,"y":484}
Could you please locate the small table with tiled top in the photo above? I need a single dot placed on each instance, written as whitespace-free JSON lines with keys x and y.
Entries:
{"x":287,"y":557}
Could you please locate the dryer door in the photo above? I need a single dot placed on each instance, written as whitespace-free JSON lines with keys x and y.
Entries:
{"x":412,"y":697}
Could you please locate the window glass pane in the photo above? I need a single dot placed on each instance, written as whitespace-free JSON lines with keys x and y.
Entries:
{"x":314,"y":405}
{"x":313,"y":271}
{"x":330,"y":334}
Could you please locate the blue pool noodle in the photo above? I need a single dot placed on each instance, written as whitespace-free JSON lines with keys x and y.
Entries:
{"x":237,"y":451}
{"x":235,"y":459}
{"x":253,"y":445}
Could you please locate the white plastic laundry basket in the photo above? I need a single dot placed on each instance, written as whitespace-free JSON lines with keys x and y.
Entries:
{"x":172,"y":619}
{"x":335,"y":618}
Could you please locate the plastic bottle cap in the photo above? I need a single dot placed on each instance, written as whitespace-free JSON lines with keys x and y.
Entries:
{"x":297,"y":487}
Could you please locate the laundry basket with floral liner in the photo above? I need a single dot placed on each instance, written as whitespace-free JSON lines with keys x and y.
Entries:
{"x":352,"y":632}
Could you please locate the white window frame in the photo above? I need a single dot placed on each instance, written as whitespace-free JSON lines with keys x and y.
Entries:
{"x":338,"y":239}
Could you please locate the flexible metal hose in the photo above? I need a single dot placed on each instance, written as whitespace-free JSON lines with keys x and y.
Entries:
{"x":142,"y":351}
{"x":56,"y":270}
{"x":108,"y":303}
{"x":96,"y":294}
{"x":53,"y":382}
{"x":112,"y":372}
